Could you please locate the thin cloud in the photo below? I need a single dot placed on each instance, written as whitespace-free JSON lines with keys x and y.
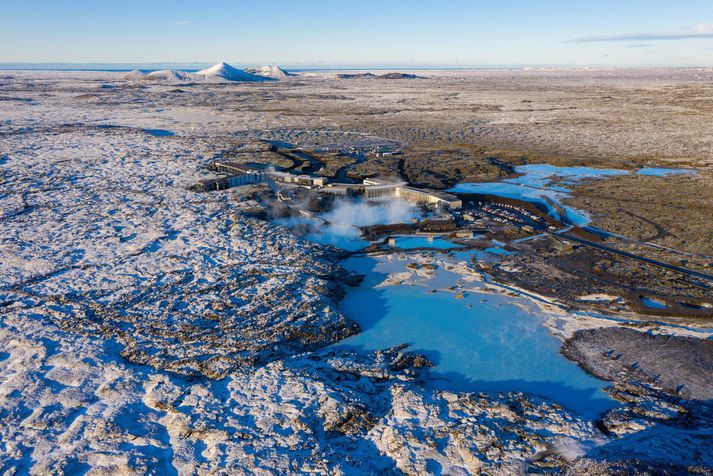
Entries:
{"x":181,"y":22}
{"x":703,"y":30}
{"x":639,"y":45}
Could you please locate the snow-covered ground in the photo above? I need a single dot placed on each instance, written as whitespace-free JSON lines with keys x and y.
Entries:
{"x":102,"y":234}
{"x":145,"y":328}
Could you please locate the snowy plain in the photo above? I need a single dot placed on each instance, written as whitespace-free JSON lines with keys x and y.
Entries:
{"x":149,"y":329}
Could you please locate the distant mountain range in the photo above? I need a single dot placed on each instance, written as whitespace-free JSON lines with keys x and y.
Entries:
{"x":221,"y":72}
{"x":377,"y":76}
{"x":225,"y":72}
{"x":161,"y":75}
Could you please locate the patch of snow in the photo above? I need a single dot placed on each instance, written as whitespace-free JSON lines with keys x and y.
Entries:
{"x":225,"y":72}
{"x":598,"y":297}
{"x":134,"y":75}
{"x":168,"y":75}
{"x":269,"y":71}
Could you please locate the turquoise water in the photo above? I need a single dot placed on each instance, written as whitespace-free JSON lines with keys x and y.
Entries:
{"x":499,"y":251}
{"x":662,"y":172}
{"x":536,"y":185}
{"x":653,"y":303}
{"x":347,"y":216}
{"x":348,"y":239}
{"x":540,"y":175}
{"x":160,"y":132}
{"x":481,"y":342}
{"x":411,"y":242}
{"x":344,"y":237}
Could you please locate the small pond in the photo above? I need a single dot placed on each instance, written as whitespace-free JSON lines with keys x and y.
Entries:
{"x":412,"y":242}
{"x":662,"y":172}
{"x":159,"y":132}
{"x":547,"y":185}
{"x":653,"y":303}
{"x":543,"y":184}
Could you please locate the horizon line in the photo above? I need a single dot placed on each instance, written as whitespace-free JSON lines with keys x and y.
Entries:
{"x":126,"y":66}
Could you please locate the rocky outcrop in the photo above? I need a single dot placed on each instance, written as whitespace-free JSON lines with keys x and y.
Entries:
{"x":67,"y":404}
{"x":112,"y":244}
{"x":148,"y":328}
{"x":665,"y":422}
{"x":678,"y":365}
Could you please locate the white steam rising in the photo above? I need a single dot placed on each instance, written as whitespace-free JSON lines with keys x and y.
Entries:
{"x":347,"y":215}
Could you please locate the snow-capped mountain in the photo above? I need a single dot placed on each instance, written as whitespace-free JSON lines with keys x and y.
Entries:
{"x":161,"y":75}
{"x":168,"y":75}
{"x":225,"y":72}
{"x":218,"y":72}
{"x":134,"y":75}
{"x":269,"y":71}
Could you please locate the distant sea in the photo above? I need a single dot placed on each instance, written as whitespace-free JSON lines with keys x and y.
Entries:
{"x":193,"y":67}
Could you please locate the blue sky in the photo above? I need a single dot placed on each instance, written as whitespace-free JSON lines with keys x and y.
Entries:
{"x":360,"y":32}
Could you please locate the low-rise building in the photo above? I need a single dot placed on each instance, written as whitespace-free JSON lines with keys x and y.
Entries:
{"x":437,"y":226}
{"x":371,"y":188}
{"x":430,"y":197}
{"x":302,"y":180}
{"x":234,"y":168}
{"x":224,"y":183}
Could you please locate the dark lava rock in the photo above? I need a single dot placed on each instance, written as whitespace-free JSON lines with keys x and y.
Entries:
{"x":681,"y":366}
{"x":398,"y":76}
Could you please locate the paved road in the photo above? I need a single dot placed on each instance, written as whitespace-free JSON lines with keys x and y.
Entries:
{"x":688,"y":272}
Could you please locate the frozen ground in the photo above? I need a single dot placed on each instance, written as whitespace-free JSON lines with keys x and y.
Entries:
{"x":148,"y":329}
{"x":101,"y":233}
{"x":609,"y":118}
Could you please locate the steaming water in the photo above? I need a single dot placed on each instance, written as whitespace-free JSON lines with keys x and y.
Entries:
{"x":411,"y":242}
{"x":360,"y":213}
{"x":347,"y":215}
{"x":480,"y":342}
